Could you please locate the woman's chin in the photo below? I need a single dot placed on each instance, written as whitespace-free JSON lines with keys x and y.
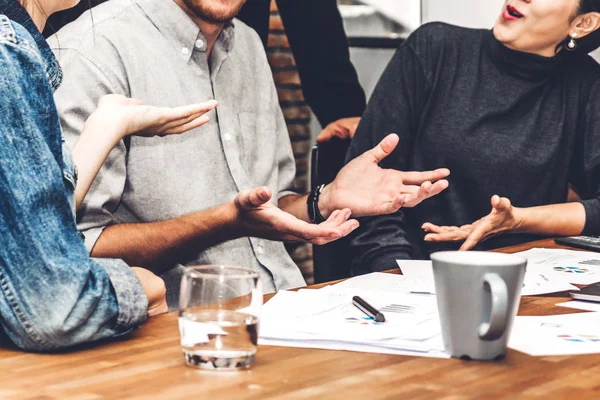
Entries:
{"x":68,"y":4}
{"x":503,"y":33}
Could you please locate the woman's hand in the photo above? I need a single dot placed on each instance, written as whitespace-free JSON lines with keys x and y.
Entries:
{"x":122,"y":116}
{"x":504,"y":217}
{"x":343,"y":128}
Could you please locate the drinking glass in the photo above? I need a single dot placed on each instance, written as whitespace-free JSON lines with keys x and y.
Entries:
{"x":219,"y":312}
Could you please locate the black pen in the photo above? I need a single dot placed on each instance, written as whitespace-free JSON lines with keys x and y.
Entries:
{"x":368,"y":309}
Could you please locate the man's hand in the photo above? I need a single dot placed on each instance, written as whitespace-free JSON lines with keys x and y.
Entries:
{"x":342,"y":128}
{"x":262,"y":219}
{"x":155,"y":290}
{"x":122,"y":116}
{"x":367,"y":189}
{"x":504,"y":217}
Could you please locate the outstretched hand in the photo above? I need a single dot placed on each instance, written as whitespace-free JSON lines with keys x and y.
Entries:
{"x":262,"y":219}
{"x":124,"y":116}
{"x":343,"y":128}
{"x":502,"y":218}
{"x":368,"y":189}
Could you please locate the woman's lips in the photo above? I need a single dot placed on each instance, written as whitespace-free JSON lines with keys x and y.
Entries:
{"x":511,"y":13}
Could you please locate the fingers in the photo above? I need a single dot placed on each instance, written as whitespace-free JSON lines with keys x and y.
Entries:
{"x":477,"y":235}
{"x":186,"y":111}
{"x":254,"y":198}
{"x":337,"y":226}
{"x":432,"y":228}
{"x":187,"y":126}
{"x":385,"y":147}
{"x":181,"y":121}
{"x":418,"y":177}
{"x":333,"y":130}
{"x":500,"y":203}
{"x":390,"y":207}
{"x":332,"y":229}
{"x":414,"y":195}
{"x":449,"y":234}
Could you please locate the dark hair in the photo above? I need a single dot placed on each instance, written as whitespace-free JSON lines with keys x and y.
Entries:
{"x":590,"y":42}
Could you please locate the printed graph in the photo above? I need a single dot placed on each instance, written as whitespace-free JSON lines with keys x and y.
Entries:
{"x":572,"y":270}
{"x":580,"y":338}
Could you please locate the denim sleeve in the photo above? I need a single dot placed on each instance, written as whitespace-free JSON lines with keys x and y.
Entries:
{"x":52,"y":294}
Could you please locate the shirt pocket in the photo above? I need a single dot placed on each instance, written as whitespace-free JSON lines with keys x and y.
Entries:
{"x":258,"y":138}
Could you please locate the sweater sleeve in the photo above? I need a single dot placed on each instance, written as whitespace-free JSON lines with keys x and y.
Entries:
{"x":587,"y":161}
{"x":395,"y":107}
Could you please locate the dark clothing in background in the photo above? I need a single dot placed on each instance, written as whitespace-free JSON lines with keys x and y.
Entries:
{"x":318,"y":41}
{"x":504,"y":122}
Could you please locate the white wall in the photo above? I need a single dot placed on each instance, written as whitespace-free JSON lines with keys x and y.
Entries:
{"x":470,"y":13}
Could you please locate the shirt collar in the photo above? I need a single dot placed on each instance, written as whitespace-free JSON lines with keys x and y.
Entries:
{"x":15,"y":12}
{"x":185,"y":36}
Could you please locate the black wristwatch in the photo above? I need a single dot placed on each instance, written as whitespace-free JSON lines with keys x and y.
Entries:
{"x":312,"y":204}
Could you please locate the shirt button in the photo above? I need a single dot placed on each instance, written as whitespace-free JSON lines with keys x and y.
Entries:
{"x":185,"y":51}
{"x":227,"y":137}
{"x":260,"y":250}
{"x":199,"y":43}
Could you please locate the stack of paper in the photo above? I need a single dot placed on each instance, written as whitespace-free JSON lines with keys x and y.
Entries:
{"x":556,"y":334}
{"x":559,"y":265}
{"x":327,"y":319}
{"x":546,"y":272}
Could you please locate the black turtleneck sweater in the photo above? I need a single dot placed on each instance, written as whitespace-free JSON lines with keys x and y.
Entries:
{"x":504,"y":122}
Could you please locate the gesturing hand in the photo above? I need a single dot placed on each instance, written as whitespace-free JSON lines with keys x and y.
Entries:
{"x":502,"y":218}
{"x":124,"y":116}
{"x":343,"y":128}
{"x":368,"y":189}
{"x":262,"y":219}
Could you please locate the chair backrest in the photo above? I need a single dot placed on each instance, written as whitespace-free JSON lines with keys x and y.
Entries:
{"x":331,"y":261}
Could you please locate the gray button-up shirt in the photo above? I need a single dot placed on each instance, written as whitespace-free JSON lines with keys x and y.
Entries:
{"x":151,"y":50}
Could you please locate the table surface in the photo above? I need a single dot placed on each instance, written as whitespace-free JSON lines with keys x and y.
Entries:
{"x":148,"y":365}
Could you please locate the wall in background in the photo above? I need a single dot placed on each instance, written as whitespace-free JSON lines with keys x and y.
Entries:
{"x":297,"y":117}
{"x":471,"y":13}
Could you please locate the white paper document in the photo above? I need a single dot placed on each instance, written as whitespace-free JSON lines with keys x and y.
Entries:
{"x":327,"y":319}
{"x":582,"y":305}
{"x":568,"y":266}
{"x":556,"y":334}
{"x":537,"y":281}
{"x":379,"y":281}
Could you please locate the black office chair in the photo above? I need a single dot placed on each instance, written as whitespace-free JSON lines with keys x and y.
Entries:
{"x":331,"y":261}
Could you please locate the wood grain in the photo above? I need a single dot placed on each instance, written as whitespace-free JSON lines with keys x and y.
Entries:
{"x":148,"y":365}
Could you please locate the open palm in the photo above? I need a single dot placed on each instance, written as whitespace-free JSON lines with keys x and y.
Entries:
{"x":124,"y":116}
{"x":367,"y":189}
{"x":500,"y":219}
{"x":260,"y":218}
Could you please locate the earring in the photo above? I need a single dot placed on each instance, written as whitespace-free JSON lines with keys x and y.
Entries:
{"x":572,"y":44}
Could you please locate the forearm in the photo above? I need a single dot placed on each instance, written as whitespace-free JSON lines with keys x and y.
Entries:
{"x":557,"y":219}
{"x":89,"y":153}
{"x":159,"y":245}
{"x":296,"y":205}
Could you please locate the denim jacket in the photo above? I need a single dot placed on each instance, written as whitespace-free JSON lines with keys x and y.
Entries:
{"x":52,"y":294}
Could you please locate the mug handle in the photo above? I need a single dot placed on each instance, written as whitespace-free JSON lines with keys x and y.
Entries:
{"x":496,"y":326}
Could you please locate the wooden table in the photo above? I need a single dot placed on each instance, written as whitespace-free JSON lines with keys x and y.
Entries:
{"x":149,"y":365}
